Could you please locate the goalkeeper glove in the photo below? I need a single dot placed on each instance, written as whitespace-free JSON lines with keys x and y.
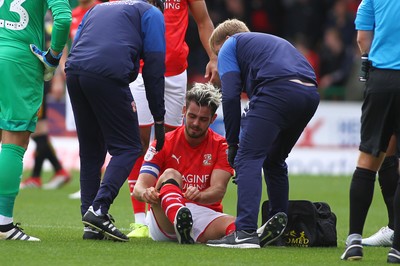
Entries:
{"x":232,"y":151}
{"x":48,"y":59}
{"x":159,"y":133}
{"x":365,"y":67}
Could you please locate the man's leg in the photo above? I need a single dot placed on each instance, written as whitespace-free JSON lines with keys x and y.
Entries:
{"x":361,"y":193}
{"x":13,"y":148}
{"x":139,"y":227}
{"x":111,"y":105}
{"x":138,"y":91}
{"x":388,"y":179}
{"x":172,"y":215}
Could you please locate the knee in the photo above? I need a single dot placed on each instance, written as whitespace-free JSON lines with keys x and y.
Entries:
{"x":369,"y":161}
{"x":170,"y":176}
{"x":389,"y":162}
{"x":275,"y":165}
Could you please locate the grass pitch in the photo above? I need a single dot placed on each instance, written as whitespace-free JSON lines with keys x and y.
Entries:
{"x":56,"y":220}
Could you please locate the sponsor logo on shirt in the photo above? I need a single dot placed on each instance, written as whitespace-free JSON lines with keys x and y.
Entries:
{"x":172,"y":4}
{"x":150,"y":154}
{"x":193,"y":180}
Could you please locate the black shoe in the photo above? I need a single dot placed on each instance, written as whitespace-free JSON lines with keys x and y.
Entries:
{"x":272,"y":229}
{"x":238,"y":239}
{"x":91,"y":234}
{"x":104,"y":224}
{"x":354,"y":251}
{"x":393,"y":256}
{"x":183,"y":226}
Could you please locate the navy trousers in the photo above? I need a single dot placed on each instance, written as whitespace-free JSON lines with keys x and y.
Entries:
{"x":105,"y":121}
{"x":276,"y":116}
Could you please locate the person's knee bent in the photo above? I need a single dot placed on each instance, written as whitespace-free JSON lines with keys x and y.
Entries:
{"x":170,"y":176}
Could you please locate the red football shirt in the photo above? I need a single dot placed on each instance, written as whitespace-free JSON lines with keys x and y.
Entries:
{"x":77,"y":15}
{"x":194,"y":163}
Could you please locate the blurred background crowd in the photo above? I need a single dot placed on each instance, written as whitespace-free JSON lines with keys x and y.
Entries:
{"x":323,"y":30}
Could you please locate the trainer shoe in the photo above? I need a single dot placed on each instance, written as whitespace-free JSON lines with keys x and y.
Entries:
{"x":354,"y":251}
{"x":272,"y":229}
{"x":138,"y":230}
{"x":31,"y":182}
{"x":382,"y":238}
{"x":17,"y":233}
{"x":183,"y":226}
{"x":393,"y":256}
{"x":237,"y":239}
{"x":60,"y":178}
{"x":75,"y":195}
{"x":104,"y":224}
{"x":91,"y":234}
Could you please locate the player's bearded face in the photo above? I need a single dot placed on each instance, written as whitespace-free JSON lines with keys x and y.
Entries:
{"x":198,"y":119}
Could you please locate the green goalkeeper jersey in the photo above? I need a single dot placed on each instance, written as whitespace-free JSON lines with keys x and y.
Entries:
{"x":22,"y":23}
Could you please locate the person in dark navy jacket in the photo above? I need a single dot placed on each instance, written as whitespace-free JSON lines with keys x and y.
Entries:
{"x":282,"y":91}
{"x":104,"y":59}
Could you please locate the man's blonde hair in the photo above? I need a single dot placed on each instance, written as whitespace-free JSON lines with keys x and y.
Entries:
{"x":227,"y":28}
{"x":204,"y":94}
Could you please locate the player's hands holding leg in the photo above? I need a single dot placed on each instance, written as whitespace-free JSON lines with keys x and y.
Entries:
{"x":159,"y":133}
{"x":49,"y":59}
{"x":192,"y":193}
{"x":151,"y":196}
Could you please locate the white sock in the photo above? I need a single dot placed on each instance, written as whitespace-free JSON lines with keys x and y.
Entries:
{"x":352,"y":237}
{"x":140,"y":218}
{"x":5,"y":220}
{"x":97,"y":212}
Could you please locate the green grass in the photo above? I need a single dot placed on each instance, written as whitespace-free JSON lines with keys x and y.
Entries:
{"x":54,"y":218}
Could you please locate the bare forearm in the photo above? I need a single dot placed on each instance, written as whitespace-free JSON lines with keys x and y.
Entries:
{"x":205,"y":31}
{"x":364,"y":40}
{"x":211,"y":195}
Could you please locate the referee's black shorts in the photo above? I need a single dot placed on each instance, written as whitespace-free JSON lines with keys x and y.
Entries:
{"x":380,"y":116}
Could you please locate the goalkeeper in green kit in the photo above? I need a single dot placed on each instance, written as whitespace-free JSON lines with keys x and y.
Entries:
{"x":24,"y":67}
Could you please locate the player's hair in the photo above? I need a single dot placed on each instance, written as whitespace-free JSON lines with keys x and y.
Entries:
{"x":227,"y":28}
{"x":204,"y":94}
{"x":158,"y":3}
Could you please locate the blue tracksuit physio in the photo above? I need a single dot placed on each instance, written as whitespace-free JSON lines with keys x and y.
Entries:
{"x":281,"y":87}
{"x":104,"y":59}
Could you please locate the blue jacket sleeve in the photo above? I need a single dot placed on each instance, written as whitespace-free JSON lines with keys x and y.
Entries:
{"x":153,"y":30}
{"x":78,"y":32}
{"x":231,"y":84}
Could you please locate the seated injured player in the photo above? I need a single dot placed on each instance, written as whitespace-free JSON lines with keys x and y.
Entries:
{"x":186,"y":181}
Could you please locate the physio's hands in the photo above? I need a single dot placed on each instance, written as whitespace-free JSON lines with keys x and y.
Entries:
{"x":48,"y":59}
{"x":159,"y":133}
{"x":232,"y":151}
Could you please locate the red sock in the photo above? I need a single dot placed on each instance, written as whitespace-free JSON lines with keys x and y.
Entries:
{"x":230,"y":229}
{"x":171,"y":200}
{"x":138,"y":206}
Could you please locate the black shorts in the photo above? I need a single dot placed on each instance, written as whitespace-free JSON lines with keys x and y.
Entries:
{"x":380,"y":116}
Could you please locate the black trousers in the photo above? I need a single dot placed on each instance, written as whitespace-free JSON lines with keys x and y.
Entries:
{"x":105,"y":122}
